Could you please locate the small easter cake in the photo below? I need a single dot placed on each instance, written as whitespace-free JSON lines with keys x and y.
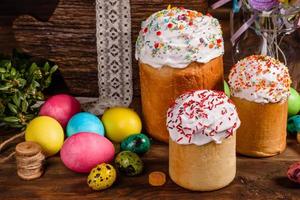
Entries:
{"x":178,"y":50}
{"x":260,"y":87}
{"x":202,"y":126}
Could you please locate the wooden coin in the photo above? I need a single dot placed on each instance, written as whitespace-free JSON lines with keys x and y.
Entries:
{"x":28,"y":149}
{"x":157,"y":178}
{"x":28,"y":177}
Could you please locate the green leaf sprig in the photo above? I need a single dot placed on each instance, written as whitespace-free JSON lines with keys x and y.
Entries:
{"x":22,"y":81}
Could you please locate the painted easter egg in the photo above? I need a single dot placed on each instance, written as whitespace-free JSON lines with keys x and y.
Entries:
{"x":102,"y":177}
{"x":120,"y":123}
{"x":293,"y":102}
{"x":85,"y":122}
{"x":129,"y":163}
{"x":47,"y":132}
{"x":83,"y":151}
{"x":138,"y":143}
{"x":293,"y":124}
{"x":226,"y":89}
{"x":293,"y":172}
{"x":60,"y":107}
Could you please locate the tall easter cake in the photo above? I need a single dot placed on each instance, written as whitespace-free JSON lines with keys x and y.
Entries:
{"x":178,"y":50}
{"x":202,"y":126}
{"x":260,"y":86}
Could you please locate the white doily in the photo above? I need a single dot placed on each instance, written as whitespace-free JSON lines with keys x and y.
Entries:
{"x":113,"y":32}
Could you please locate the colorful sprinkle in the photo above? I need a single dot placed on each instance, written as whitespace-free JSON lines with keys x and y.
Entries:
{"x":190,"y":41}
{"x":198,"y":115}
{"x":255,"y":78}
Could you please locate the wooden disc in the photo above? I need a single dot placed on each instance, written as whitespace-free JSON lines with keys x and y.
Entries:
{"x":31,"y":176}
{"x":157,"y":178}
{"x":28,"y":149}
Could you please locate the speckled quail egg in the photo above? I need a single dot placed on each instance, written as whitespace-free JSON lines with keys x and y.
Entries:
{"x":102,"y":177}
{"x":129,"y":163}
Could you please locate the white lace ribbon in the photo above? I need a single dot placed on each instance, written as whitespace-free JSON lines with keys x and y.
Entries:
{"x":113,"y":33}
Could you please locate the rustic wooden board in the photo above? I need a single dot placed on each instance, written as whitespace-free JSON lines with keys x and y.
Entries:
{"x":256,"y":179}
{"x":64,"y":32}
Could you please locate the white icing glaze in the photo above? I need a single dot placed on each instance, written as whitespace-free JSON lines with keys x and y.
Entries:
{"x":202,"y":116}
{"x":176,"y":37}
{"x":260,"y":79}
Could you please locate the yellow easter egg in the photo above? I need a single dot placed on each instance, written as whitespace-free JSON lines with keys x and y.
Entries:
{"x":120,"y":122}
{"x":102,"y":177}
{"x":47,"y":132}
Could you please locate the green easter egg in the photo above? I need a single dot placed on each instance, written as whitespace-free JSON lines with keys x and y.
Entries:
{"x":138,"y":143}
{"x":129,"y":163}
{"x":226,"y":89}
{"x":293,"y":102}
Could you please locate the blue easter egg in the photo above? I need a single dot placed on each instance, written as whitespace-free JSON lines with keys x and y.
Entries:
{"x":85,"y":122}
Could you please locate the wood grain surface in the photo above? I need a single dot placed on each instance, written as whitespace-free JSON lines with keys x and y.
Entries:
{"x":64,"y":32}
{"x":262,"y":179}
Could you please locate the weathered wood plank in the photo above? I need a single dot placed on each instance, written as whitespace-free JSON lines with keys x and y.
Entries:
{"x":68,"y":35}
{"x":67,"y":38}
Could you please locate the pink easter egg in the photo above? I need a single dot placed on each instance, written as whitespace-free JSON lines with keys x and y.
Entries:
{"x":293,"y":172}
{"x":83,"y":151}
{"x":60,"y":107}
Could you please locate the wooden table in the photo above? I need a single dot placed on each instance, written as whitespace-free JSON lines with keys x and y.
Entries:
{"x":256,"y":179}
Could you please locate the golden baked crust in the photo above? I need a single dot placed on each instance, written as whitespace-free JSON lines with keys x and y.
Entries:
{"x":203,"y":168}
{"x":161,"y":86}
{"x":263,"y":128}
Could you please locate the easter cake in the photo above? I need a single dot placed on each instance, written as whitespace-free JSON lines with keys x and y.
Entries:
{"x":202,"y":126}
{"x":260,"y":87}
{"x":178,"y":50}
